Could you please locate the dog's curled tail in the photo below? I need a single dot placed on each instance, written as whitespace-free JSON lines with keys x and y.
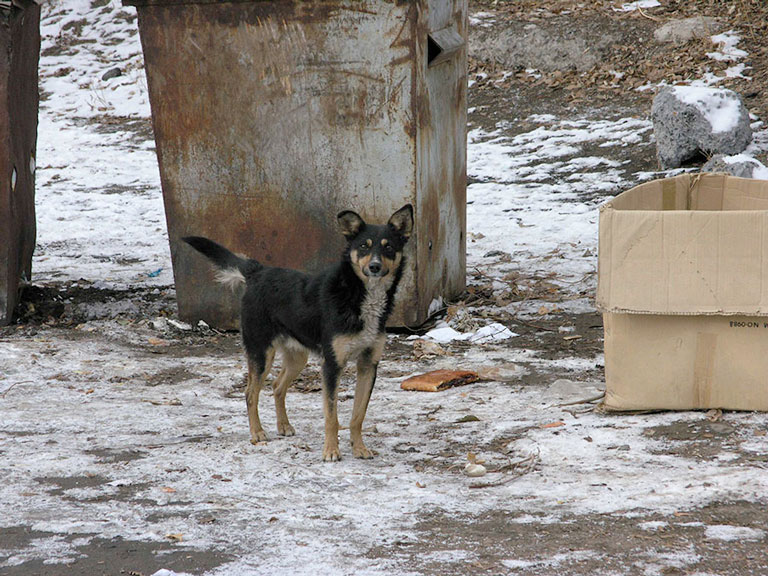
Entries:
{"x":232,"y":267}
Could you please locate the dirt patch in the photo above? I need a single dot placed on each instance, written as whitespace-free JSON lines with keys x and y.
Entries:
{"x":68,"y":304}
{"x":60,"y":484}
{"x":626,"y":54}
{"x":507,"y":542}
{"x":705,"y":439}
{"x":101,"y":557}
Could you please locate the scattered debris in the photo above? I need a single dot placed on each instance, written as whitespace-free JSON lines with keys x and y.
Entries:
{"x":180,"y":325}
{"x":427,"y":349}
{"x":557,"y":424}
{"x":467,"y":418}
{"x":513,"y":471}
{"x":714,"y":415}
{"x":439,"y":380}
{"x":175,"y":537}
{"x":588,"y":400}
{"x":171,"y":402}
{"x":564,"y":392}
{"x":495,"y":331}
{"x":501,"y":373}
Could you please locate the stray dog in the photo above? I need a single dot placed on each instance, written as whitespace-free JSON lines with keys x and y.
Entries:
{"x":339,"y":314}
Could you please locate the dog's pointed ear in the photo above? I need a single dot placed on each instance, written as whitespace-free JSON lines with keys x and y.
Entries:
{"x":402,"y":221}
{"x":350,"y":223}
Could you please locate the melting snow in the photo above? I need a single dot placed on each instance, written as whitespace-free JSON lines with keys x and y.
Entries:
{"x":638,"y":5}
{"x":493,"y":332}
{"x":719,"y":107}
{"x":733,"y":533}
{"x":727,"y":43}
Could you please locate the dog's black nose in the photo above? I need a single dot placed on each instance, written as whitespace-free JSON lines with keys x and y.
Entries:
{"x":374,"y":267}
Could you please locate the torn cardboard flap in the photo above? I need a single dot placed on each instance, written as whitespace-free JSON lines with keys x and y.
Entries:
{"x":438,"y":380}
{"x":658,"y":257}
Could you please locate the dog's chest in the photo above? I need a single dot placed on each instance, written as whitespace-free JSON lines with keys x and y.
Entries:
{"x":368,"y":338}
{"x":371,"y":311}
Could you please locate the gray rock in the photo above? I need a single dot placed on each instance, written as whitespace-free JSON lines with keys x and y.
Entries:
{"x":557,"y":44}
{"x":689,"y":122}
{"x":111,"y":73}
{"x":742,"y":166}
{"x":684,"y":30}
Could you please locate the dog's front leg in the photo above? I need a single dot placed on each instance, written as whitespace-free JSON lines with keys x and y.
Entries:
{"x":367,"y":365}
{"x":331,"y":372}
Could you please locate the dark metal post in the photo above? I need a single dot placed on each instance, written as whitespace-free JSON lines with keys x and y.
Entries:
{"x":19,"y":53}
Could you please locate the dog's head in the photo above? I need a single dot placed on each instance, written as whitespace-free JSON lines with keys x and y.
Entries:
{"x":376,"y":252}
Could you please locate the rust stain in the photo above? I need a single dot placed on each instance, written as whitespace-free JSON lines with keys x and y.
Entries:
{"x":272,"y":116}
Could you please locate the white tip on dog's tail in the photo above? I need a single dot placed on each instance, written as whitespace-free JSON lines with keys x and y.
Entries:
{"x":231,"y":267}
{"x":232,"y":278}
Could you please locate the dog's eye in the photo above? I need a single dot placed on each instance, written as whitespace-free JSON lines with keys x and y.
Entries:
{"x":389,"y":252}
{"x":363,"y":247}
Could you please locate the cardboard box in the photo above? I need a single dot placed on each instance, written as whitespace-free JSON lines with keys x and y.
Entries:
{"x":683,"y":287}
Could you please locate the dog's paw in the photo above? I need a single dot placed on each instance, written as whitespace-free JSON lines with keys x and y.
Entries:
{"x":285,"y":430}
{"x":331,"y":454}
{"x":360,"y":451}
{"x":259,"y":437}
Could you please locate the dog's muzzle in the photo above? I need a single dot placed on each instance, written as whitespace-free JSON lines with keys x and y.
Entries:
{"x":374,"y":269}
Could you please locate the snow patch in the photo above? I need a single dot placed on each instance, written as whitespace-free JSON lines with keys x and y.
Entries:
{"x":719,"y":108}
{"x":727,"y":43}
{"x":728,"y":533}
{"x":638,"y":5}
{"x":492,"y":333}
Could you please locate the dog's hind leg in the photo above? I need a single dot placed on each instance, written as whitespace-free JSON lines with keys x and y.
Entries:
{"x":294,"y":360}
{"x":258,"y":369}
{"x":367,"y":365}
{"x":331,"y":372}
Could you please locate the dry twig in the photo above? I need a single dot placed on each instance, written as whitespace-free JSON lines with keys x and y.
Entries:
{"x":584,"y":401}
{"x":519,"y":468}
{"x":13,"y":385}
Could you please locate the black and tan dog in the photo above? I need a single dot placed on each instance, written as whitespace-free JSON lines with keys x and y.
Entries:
{"x":339,"y":314}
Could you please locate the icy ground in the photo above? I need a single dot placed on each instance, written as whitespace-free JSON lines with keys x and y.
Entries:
{"x":123,"y":436}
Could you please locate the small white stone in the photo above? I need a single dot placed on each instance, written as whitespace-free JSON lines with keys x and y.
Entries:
{"x":474,"y":470}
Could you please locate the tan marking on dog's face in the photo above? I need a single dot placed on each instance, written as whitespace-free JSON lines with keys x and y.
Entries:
{"x":393,"y":263}
{"x":359,"y":263}
{"x":353,"y":258}
{"x":364,"y":261}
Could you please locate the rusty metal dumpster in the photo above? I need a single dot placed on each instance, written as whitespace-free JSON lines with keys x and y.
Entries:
{"x":19,"y":53}
{"x":271,"y":116}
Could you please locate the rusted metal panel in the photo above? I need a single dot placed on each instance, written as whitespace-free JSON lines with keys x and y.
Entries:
{"x":19,"y":53}
{"x":442,"y":151}
{"x":270,"y":117}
